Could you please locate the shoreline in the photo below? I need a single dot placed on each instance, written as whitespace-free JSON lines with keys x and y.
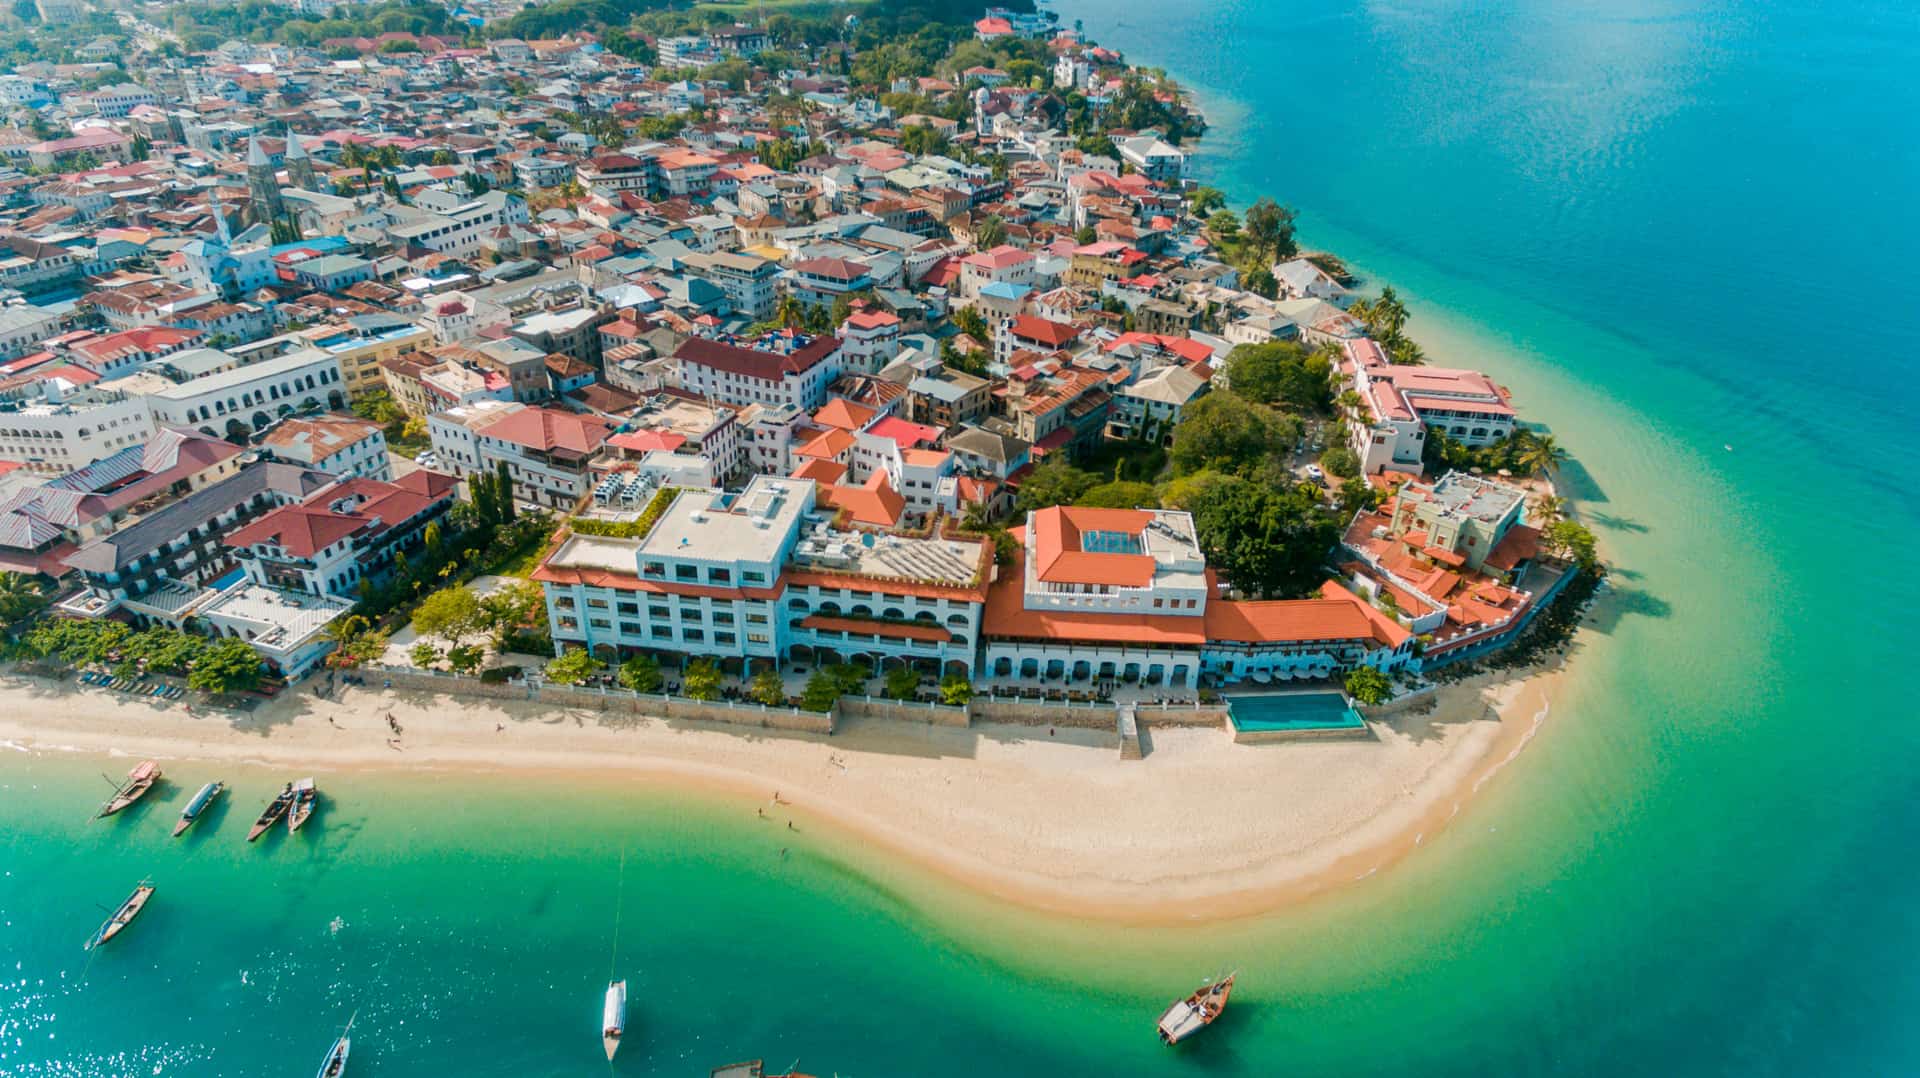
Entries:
{"x":1056,"y":824}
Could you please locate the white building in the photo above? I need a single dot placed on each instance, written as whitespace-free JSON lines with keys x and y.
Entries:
{"x":760,"y":576}
{"x":785,"y":369}
{"x":1401,"y":406}
{"x":333,"y":444}
{"x":253,"y":395}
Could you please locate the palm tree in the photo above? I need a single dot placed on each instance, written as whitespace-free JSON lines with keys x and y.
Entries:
{"x":20,"y":597}
{"x":789,"y":312}
{"x":1539,"y":454}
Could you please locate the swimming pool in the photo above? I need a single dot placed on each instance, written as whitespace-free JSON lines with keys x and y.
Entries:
{"x":1284,"y":713}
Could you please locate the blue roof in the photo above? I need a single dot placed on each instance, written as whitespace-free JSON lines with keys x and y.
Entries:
{"x":1005,"y":290}
{"x":318,"y":245}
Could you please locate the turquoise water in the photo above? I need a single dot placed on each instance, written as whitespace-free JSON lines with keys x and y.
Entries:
{"x":1683,"y":234}
{"x":1291,"y":711}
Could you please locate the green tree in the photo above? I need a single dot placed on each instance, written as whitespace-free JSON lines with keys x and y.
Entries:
{"x":641,"y":673}
{"x":702,"y":680}
{"x":1222,"y":432}
{"x":821,"y":691}
{"x":510,"y":608}
{"x":1281,"y":373}
{"x":1572,"y":540}
{"x":230,"y":665}
{"x":955,"y":690}
{"x":1267,"y":542}
{"x":1356,"y":495}
{"x":902,"y":682}
{"x":767,"y":688}
{"x":465,"y":658}
{"x":450,"y":614}
{"x":21,"y":598}
{"x":1270,"y":227}
{"x":574,"y":667}
{"x":424,"y":655}
{"x":1368,"y":686}
{"x":1054,"y":482}
{"x":1204,"y":200}
{"x":1539,"y":454}
{"x":1120,"y":494}
{"x":991,"y":233}
{"x":1340,"y":462}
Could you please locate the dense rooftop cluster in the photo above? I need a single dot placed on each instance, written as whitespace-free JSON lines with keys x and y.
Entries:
{"x":859,"y":325}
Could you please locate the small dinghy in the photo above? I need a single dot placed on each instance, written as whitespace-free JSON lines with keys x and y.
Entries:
{"x":613,"y":1020}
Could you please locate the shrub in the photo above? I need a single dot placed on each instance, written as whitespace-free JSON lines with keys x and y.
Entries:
{"x":498,"y":675}
{"x":1369,"y":686}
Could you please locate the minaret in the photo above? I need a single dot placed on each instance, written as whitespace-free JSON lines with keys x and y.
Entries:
{"x":262,"y":187}
{"x":299,"y":165}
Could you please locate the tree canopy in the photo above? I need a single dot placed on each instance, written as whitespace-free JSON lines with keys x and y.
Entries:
{"x":1281,"y":373}
{"x":1225,"y":433}
{"x":1265,"y":542}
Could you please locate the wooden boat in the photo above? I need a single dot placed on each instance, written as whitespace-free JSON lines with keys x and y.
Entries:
{"x":304,"y":795}
{"x":207,"y":795}
{"x":1196,"y":1012}
{"x":613,"y":1020}
{"x":139,"y":781}
{"x":275,"y":809}
{"x":336,"y":1061}
{"x":123,"y":916}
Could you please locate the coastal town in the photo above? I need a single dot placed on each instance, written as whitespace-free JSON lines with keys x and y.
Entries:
{"x":775,"y":361}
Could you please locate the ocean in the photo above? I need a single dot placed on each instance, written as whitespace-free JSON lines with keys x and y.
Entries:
{"x":1683,"y":234}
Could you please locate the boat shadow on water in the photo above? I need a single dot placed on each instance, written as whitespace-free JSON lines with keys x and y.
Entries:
{"x":1222,"y":1048}
{"x":208,"y":823}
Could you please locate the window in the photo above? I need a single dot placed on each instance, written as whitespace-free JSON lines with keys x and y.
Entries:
{"x":686,"y":572}
{"x":692,"y":636}
{"x":628,"y":608}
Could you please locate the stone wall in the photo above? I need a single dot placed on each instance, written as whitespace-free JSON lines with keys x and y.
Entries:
{"x":874,"y":707}
{"x":737,"y":713}
{"x":1182,"y":714}
{"x":1009,"y":709}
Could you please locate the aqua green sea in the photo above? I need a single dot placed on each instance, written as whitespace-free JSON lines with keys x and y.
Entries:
{"x":1684,"y":233}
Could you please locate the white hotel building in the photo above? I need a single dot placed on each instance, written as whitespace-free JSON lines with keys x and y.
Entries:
{"x":1125,"y":594}
{"x":1401,"y":405}
{"x":760,"y":575}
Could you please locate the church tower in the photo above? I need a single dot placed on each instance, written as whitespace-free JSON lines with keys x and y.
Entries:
{"x":262,"y":187}
{"x":299,"y":165}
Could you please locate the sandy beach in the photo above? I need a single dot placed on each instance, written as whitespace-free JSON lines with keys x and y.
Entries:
{"x":1201,"y":829}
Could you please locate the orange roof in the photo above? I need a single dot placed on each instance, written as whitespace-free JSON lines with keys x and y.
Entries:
{"x":1006,"y":615}
{"x":822,"y":471}
{"x":1060,"y":559}
{"x":1338,"y":615}
{"x":828,"y":446}
{"x":844,"y":414}
{"x":875,"y":502}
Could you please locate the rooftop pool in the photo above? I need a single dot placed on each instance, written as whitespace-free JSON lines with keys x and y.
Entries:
{"x":1292,"y":712}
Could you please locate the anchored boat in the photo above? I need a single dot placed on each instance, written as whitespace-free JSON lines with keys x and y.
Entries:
{"x":139,"y":781}
{"x":613,"y":1021}
{"x":207,"y":795}
{"x":304,"y":795}
{"x":1196,"y":1012}
{"x":123,"y":916}
{"x":275,"y":809}
{"x":336,"y":1063}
